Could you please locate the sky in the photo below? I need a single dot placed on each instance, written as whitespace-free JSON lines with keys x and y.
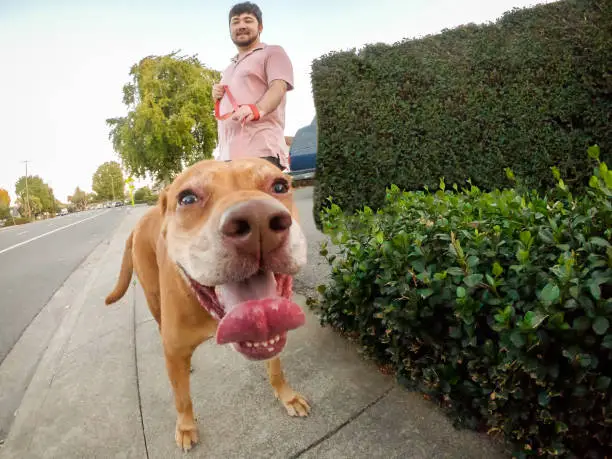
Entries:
{"x":64,"y":63}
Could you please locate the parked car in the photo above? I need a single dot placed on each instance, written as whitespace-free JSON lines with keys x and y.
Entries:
{"x":303,"y":151}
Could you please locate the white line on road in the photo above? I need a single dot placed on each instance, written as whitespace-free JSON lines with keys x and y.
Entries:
{"x":23,"y":232}
{"x":50,"y":232}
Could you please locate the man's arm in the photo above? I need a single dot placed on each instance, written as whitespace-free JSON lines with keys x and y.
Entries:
{"x":268,"y":102}
{"x":273,"y":96}
{"x":279,"y":73}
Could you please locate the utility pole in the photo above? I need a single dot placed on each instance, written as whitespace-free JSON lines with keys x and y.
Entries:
{"x":27,"y":190}
{"x":113,"y":185}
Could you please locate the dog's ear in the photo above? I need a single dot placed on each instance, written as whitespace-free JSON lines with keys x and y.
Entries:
{"x":163,"y":200}
{"x":163,"y":204}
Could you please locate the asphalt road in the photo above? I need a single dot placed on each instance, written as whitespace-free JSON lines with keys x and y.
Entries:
{"x":36,"y":259}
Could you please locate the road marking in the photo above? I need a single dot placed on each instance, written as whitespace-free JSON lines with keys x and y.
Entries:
{"x":50,"y":232}
{"x":23,"y":232}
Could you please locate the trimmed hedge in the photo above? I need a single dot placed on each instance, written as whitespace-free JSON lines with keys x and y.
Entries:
{"x":16,"y":221}
{"x":526,"y":92}
{"x":497,"y":304}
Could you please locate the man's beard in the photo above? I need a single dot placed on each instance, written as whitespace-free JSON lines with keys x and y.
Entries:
{"x":244,"y":42}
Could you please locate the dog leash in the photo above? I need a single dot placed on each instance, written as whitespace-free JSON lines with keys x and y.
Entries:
{"x":235,"y":106}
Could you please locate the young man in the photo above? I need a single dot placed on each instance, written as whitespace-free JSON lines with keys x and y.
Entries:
{"x":258,"y":78}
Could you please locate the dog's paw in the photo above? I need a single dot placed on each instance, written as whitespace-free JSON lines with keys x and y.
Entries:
{"x":186,"y":438}
{"x":296,"y":405}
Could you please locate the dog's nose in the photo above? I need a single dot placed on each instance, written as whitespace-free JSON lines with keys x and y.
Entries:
{"x":257,"y":227}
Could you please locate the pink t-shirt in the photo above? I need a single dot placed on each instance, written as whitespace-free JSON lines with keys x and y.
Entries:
{"x":248,"y":78}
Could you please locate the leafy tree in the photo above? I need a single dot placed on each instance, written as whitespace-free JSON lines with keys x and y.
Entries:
{"x":5,"y":202}
{"x":107,"y":182}
{"x":34,"y":204}
{"x":142,"y":194}
{"x":79,"y":199}
{"x":5,"y":199}
{"x":170,"y":122}
{"x":41,"y":195}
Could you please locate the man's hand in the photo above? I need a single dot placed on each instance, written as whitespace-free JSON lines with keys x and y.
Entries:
{"x":243,"y":114}
{"x":217,"y":91}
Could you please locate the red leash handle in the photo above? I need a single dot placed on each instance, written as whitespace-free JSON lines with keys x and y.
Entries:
{"x":235,"y":106}
{"x":218,"y":103}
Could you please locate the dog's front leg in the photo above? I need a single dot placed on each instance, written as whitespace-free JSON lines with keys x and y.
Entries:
{"x":178,"y":365}
{"x":295,"y":404}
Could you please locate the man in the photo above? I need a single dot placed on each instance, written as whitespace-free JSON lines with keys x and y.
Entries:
{"x":258,"y":79}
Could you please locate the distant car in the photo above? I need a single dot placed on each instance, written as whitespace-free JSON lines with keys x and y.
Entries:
{"x":303,"y":151}
{"x":64,"y":211}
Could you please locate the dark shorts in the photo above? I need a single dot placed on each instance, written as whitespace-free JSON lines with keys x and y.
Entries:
{"x":273,"y":159}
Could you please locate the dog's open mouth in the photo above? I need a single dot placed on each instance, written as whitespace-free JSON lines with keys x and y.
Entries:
{"x":254,"y":314}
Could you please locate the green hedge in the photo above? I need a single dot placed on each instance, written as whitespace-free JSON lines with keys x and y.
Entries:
{"x":16,"y":221}
{"x":498,"y":304}
{"x":525,"y":92}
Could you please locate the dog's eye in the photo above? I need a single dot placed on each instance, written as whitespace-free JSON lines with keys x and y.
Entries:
{"x":187,"y":197}
{"x":280,"y":187}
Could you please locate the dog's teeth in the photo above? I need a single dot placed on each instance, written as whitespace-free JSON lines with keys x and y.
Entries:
{"x":256,"y":344}
{"x":276,"y":338}
{"x":249,"y":344}
{"x":271,"y":342}
{"x":270,"y":349}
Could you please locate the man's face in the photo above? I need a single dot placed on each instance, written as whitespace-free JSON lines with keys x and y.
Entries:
{"x":244,"y":29}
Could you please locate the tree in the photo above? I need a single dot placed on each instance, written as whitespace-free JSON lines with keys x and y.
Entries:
{"x":142,"y":194}
{"x":5,"y":199}
{"x":5,"y":203}
{"x":34,"y":204}
{"x":107,"y":182}
{"x":79,"y":199}
{"x":170,"y":122}
{"x":41,"y":195}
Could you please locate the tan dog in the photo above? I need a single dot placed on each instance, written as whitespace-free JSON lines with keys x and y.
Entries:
{"x":215,"y":257}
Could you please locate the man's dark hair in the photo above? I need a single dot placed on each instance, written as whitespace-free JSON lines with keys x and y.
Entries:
{"x":245,"y":7}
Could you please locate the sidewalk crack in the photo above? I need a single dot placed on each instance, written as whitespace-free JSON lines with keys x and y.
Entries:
{"x":331,"y":433}
{"x":144,"y":436}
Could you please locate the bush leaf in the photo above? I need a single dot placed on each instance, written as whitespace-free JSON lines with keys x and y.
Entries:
{"x":550,"y":293}
{"x":473,"y":279}
{"x":601,"y":325}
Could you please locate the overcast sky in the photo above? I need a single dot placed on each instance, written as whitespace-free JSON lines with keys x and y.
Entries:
{"x":64,"y":63}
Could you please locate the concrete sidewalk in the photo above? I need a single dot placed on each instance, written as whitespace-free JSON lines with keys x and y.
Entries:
{"x":101,"y":391}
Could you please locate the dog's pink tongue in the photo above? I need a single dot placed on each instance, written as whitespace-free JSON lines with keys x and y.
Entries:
{"x":255,"y":312}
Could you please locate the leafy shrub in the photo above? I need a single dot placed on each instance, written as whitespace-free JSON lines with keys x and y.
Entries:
{"x":498,"y":304}
{"x":526,"y":91}
{"x":16,"y":221}
{"x":152,"y":199}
